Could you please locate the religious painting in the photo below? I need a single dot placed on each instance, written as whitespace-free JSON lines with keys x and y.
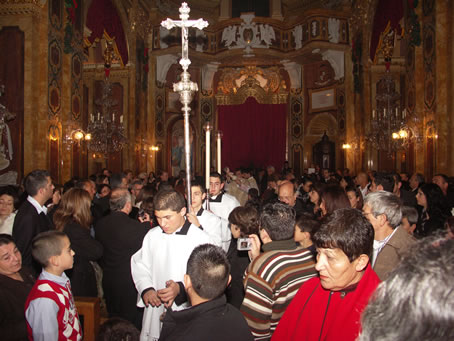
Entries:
{"x":177,"y":156}
{"x":173,"y":103}
{"x":322,"y":99}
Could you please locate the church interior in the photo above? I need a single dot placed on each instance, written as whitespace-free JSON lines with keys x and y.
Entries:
{"x":358,"y":84}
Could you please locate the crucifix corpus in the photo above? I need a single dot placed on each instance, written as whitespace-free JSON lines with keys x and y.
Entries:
{"x":185,"y":87}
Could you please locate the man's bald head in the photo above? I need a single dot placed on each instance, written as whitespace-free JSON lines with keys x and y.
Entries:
{"x":286,"y":193}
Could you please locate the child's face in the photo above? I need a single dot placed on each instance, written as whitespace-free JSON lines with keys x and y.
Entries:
{"x":299,"y":235}
{"x":407,"y":226}
{"x":66,"y":257}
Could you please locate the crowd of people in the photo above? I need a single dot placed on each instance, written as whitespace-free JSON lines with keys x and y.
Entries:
{"x":259,"y":255}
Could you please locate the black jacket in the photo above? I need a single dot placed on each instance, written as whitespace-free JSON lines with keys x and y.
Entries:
{"x":82,"y":275}
{"x":13,"y":295}
{"x":212,"y":320}
{"x":239,"y":260}
{"x":121,"y":237}
{"x":27,"y":224}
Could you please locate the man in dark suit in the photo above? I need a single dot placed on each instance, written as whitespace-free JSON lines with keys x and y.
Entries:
{"x":31,"y":218}
{"x":121,"y":237}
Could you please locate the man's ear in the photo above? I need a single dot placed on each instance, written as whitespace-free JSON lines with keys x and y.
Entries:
{"x":187,"y":282}
{"x":183,"y":211}
{"x":230,"y":279}
{"x":264,"y":236}
{"x":361,"y":262}
{"x":204,"y":195}
{"x":307,"y":235}
{"x":382,"y":219}
{"x":222,"y":185}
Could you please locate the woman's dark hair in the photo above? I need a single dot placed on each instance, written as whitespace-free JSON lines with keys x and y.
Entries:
{"x":6,"y":239}
{"x":246,"y":218}
{"x":358,"y":194}
{"x":148,"y":206}
{"x":101,"y":186}
{"x":348,"y":230}
{"x":12,"y":192}
{"x":334,"y":197}
{"x":100,"y":178}
{"x":318,"y":187}
{"x":436,"y":203}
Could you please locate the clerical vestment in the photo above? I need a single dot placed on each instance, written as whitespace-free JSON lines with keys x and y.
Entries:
{"x":162,"y":257}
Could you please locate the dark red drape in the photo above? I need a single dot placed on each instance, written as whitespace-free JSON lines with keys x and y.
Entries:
{"x":389,"y":12}
{"x":102,"y":15}
{"x":253,"y":134}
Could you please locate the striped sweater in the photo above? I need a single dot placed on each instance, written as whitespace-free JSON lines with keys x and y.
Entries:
{"x":271,"y":281}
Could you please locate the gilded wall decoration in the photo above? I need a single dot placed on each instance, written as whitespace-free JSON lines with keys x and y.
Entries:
{"x":296,"y":108}
{"x":160,"y":105}
{"x":54,"y":75}
{"x":267,"y":86}
{"x":429,"y":53}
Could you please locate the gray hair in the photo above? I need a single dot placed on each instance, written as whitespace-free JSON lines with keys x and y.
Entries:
{"x":416,"y":301}
{"x":118,"y":199}
{"x":387,"y":203}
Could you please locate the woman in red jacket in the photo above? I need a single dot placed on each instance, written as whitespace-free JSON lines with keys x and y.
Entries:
{"x":329,"y":307}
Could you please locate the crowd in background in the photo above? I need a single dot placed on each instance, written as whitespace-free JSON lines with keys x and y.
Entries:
{"x":107,"y":216}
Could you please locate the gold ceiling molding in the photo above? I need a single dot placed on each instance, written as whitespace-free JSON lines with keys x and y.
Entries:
{"x":265,"y":85}
{"x":21,"y":7}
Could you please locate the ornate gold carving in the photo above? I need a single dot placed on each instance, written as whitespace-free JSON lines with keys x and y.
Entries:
{"x":21,"y":7}
{"x":265,"y":85}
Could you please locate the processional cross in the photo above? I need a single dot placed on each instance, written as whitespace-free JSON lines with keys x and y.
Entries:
{"x":185,"y":87}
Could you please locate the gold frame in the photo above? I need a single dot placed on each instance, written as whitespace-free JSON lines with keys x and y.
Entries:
{"x":319,"y":95}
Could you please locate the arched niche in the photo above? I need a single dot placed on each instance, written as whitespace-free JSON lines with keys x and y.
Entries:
{"x":319,"y":125}
{"x":175,"y":144}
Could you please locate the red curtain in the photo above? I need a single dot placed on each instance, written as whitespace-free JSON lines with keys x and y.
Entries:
{"x":253,"y":134}
{"x":103,"y":16}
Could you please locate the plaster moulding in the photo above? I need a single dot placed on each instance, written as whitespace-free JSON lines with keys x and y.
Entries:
{"x":336,"y":59}
{"x":294,"y":72}
{"x":163,"y":64}
{"x":208,"y":72}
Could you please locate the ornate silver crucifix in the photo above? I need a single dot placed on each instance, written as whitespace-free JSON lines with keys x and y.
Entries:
{"x":185,"y":87}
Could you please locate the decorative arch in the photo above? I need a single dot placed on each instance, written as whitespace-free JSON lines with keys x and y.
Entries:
{"x":324,"y":122}
{"x":172,"y":146}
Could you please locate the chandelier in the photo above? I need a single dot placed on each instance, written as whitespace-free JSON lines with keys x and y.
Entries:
{"x":389,"y":131}
{"x":105,"y":128}
{"x":74,"y":135}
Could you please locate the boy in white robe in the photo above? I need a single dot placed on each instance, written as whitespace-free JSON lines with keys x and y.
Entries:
{"x":222,"y":204}
{"x":207,"y":221}
{"x":158,"y":268}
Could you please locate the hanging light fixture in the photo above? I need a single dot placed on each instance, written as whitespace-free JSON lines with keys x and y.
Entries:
{"x":105,"y":128}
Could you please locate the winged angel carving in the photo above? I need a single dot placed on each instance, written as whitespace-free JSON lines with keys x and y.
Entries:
{"x":229,"y":35}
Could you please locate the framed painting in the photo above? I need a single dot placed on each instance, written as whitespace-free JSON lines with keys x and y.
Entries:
{"x":322,"y":99}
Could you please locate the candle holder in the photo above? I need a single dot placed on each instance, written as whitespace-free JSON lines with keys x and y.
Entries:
{"x":218,"y":139}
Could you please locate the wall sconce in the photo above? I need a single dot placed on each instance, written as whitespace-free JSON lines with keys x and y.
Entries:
{"x":346,"y":146}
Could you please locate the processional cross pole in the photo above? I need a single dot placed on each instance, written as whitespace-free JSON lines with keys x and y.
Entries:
{"x":185,"y":87}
